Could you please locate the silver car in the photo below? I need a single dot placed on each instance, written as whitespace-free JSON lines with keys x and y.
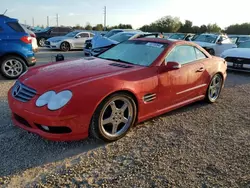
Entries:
{"x":73,"y":40}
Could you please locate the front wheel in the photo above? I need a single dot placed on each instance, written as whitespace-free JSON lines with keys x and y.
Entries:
{"x":113,"y":118}
{"x":214,"y":88}
{"x":211,"y":51}
{"x":65,"y":46}
{"x":12,"y":67}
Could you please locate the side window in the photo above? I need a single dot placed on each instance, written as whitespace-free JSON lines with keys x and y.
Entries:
{"x":55,"y":30}
{"x":15,"y":26}
{"x":199,"y":54}
{"x":182,"y":54}
{"x":83,"y":35}
{"x":64,"y":30}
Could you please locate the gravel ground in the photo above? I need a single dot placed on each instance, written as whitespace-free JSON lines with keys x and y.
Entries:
{"x":199,"y":145}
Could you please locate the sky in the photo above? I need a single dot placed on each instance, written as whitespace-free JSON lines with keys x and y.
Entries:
{"x":134,"y":12}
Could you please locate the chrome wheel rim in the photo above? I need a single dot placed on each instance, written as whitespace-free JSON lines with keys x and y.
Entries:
{"x":116,"y":117}
{"x":215,"y":87}
{"x":42,"y":42}
{"x":65,"y":46}
{"x":12,"y":67}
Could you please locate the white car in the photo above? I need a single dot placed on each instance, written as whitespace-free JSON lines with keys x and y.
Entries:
{"x":73,"y":40}
{"x":238,"y":58}
{"x":215,"y":44}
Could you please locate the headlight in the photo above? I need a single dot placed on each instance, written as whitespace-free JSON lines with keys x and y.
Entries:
{"x":54,"y":101}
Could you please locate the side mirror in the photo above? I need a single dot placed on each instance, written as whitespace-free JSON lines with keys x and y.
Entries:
{"x":173,"y":65}
{"x":77,"y":36}
{"x":170,"y":66}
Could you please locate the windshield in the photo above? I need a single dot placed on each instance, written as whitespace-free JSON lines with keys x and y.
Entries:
{"x":244,"y":45}
{"x":72,"y":34}
{"x":120,"y":37}
{"x":135,"y":52}
{"x":177,"y":36}
{"x":207,"y":38}
{"x":111,"y":33}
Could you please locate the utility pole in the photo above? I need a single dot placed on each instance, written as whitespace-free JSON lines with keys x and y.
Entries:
{"x":105,"y":17}
{"x":47,"y":21}
{"x":33,"y":22}
{"x":57,"y":20}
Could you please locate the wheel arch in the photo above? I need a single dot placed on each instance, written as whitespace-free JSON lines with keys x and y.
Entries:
{"x":14,"y":54}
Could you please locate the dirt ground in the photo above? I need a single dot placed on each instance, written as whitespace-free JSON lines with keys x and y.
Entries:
{"x":201,"y":145}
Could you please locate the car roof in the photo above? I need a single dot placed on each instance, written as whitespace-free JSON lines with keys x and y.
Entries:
{"x":6,"y":18}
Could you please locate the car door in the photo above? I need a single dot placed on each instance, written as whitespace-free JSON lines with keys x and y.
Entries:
{"x":80,"y":39}
{"x":223,"y":44}
{"x":179,"y":86}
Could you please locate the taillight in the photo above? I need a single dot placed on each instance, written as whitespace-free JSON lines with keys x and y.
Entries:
{"x":26,"y":39}
{"x":33,"y":35}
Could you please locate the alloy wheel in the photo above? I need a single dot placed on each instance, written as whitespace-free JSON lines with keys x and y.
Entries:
{"x":12,"y":67}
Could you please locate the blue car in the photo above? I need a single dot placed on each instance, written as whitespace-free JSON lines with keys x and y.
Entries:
{"x":16,"y":52}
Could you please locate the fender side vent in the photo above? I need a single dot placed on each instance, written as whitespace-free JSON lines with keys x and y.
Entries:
{"x":149,"y":97}
{"x":120,"y":65}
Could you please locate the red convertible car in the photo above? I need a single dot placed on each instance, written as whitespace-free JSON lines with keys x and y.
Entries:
{"x":105,"y":96}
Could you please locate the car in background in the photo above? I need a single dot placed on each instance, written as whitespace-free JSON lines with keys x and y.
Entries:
{"x":73,"y":40}
{"x":101,"y":44}
{"x":238,"y":58}
{"x":215,"y":44}
{"x":49,"y":32}
{"x":237,"y":39}
{"x":181,"y":36}
{"x":16,"y":52}
{"x":88,"y":43}
{"x":104,"y":96}
{"x":33,"y":37}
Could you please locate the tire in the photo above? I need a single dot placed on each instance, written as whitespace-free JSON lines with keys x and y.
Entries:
{"x":65,"y":46}
{"x":12,"y":66}
{"x":41,"y":42}
{"x":211,"y":51}
{"x":120,"y":111}
{"x":214,"y":88}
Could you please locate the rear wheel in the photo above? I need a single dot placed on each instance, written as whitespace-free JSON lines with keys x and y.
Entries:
{"x":12,"y":67}
{"x":214,"y":88}
{"x":113,"y":118}
{"x":65,"y":46}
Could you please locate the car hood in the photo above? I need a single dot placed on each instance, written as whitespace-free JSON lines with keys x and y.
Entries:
{"x":67,"y":73}
{"x":237,"y":52}
{"x":58,"y":38}
{"x":99,"y":41}
{"x":204,"y":44}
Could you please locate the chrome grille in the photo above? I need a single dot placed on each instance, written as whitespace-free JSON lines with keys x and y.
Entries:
{"x":22,"y":92}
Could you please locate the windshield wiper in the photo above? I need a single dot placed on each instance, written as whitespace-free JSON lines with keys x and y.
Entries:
{"x":118,"y":60}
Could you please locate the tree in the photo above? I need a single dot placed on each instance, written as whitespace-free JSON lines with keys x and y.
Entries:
{"x":88,"y":26}
{"x":98,"y":27}
{"x":77,"y":26}
{"x":164,"y":24}
{"x":213,"y":28}
{"x":187,"y":27}
{"x":203,"y":29}
{"x":243,"y":29}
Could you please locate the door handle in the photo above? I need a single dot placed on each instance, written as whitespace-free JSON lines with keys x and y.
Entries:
{"x":200,"y":69}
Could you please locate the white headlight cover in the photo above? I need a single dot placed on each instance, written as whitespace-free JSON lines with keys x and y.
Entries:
{"x":59,"y":100}
{"x":45,"y":98}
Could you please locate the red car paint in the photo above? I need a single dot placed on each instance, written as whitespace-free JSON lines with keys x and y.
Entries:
{"x":92,"y":80}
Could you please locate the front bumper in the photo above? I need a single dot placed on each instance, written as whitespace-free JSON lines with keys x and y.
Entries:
{"x":238,"y":66}
{"x":52,"y":45}
{"x":32,"y":122}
